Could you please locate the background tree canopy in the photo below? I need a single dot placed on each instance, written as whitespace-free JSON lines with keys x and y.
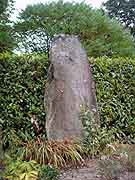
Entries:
{"x":6,"y":30}
{"x":124,"y":11}
{"x":3,"y":5}
{"x":100,"y":36}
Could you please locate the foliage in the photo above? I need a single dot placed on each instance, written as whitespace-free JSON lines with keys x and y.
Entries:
{"x":96,"y":140}
{"x":6,"y":38}
{"x":20,"y":170}
{"x":6,"y":30}
{"x":56,"y":153}
{"x":6,"y":8}
{"x":47,"y":173}
{"x":124,"y":11}
{"x":100,"y":36}
{"x":3,"y":6}
{"x":115,"y":82}
{"x":22,"y":81}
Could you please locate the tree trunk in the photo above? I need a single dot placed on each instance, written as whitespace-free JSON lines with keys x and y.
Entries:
{"x":69,"y":86}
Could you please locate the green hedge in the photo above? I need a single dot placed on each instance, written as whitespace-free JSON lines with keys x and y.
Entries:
{"x":22,"y":90}
{"x":115,"y":83}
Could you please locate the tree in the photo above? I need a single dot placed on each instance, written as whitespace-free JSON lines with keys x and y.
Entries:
{"x":6,"y":31}
{"x":124,"y":11}
{"x":3,"y":5}
{"x":99,"y":35}
{"x":6,"y":9}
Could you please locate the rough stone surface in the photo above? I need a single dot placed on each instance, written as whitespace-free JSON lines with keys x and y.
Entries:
{"x":69,"y":86}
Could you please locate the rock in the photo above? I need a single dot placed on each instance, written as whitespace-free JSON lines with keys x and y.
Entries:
{"x":69,"y":86}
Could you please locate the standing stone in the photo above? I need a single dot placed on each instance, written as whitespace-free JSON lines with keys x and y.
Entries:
{"x":69,"y":86}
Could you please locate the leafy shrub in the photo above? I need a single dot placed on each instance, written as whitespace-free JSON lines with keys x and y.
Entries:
{"x":22,"y":81}
{"x":47,"y":173}
{"x":20,"y":170}
{"x":115,"y":85}
{"x":17,"y":169}
{"x":96,"y":140}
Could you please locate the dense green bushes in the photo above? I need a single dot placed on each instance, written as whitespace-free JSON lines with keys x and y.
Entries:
{"x":22,"y":89}
{"x":115,"y":81}
{"x":17,"y":169}
{"x":21,"y":92}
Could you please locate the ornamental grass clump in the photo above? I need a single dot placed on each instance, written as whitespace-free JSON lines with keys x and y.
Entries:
{"x":56,"y":153}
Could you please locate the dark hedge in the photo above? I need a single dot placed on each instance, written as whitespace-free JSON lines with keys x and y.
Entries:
{"x":21,"y":92}
{"x":115,"y":84}
{"x":22,"y":81}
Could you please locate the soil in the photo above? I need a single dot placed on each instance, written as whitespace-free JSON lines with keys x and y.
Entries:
{"x":90,"y":172}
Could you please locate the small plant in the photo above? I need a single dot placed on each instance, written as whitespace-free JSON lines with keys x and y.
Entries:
{"x":55,"y":153}
{"x":47,"y":173}
{"x":96,"y":140}
{"x":16,"y":169}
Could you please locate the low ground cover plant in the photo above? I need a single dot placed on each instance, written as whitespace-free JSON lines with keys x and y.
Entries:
{"x":56,"y":153}
{"x":18,"y":169}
